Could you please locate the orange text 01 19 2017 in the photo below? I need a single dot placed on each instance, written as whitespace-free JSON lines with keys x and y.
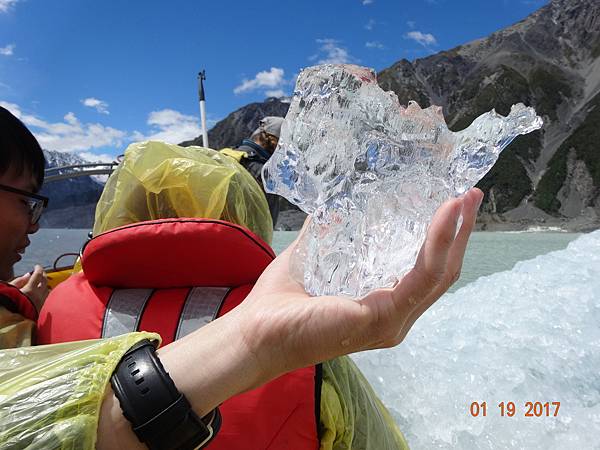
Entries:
{"x":510,"y":409}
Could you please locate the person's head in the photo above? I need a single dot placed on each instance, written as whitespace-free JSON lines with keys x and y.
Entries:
{"x":156,"y":180}
{"x":21,"y":175}
{"x":268,"y":132}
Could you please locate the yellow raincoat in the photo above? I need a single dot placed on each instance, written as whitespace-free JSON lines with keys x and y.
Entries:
{"x":159,"y":181}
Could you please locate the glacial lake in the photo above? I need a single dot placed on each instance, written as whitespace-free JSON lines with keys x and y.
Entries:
{"x":488,"y":252}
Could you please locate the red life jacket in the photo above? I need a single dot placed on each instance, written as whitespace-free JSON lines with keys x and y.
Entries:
{"x":172,"y":276}
{"x":16,"y":302}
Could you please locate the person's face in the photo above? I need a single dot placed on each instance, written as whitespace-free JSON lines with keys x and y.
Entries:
{"x":15,"y":222}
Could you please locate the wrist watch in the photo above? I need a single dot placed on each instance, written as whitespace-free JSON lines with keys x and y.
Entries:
{"x":161,"y":416}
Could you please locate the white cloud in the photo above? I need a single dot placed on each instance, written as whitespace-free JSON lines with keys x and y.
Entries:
{"x":272,"y":79}
{"x":170,"y":126}
{"x":13,"y":108}
{"x":6,"y":4}
{"x":8,"y":50}
{"x":277,"y":93}
{"x":367,"y":2}
{"x":425,"y":39}
{"x":370,"y":24}
{"x":99,"y":105}
{"x":331,"y":52}
{"x":70,"y":135}
{"x":374,"y":44}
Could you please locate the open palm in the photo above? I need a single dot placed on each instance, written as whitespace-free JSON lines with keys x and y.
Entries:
{"x":298,"y":330}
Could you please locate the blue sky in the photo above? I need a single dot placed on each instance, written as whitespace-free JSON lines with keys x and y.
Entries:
{"x":92,"y":76}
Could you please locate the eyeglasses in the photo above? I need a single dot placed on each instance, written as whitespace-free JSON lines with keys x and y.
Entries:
{"x":36,"y":202}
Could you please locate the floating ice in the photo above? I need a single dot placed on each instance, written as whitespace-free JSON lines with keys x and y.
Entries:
{"x":372,"y":173}
{"x":525,"y":335}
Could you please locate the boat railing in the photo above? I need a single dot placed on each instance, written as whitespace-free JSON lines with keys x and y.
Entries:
{"x":78,"y":170}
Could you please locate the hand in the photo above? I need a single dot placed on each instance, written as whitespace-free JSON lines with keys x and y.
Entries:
{"x":34,"y":285}
{"x":287,"y":329}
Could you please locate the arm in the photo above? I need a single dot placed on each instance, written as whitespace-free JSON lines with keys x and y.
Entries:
{"x":279,"y":328}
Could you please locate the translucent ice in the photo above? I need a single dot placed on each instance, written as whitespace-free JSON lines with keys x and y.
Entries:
{"x":372,"y":173}
{"x":525,"y":335}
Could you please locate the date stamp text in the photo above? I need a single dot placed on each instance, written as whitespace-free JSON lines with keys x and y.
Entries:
{"x":511,"y":409}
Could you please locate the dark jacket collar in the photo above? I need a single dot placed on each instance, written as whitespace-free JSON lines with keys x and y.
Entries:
{"x":254,"y":150}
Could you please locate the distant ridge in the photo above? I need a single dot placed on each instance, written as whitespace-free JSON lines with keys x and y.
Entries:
{"x":550,"y":60}
{"x":72,"y":201}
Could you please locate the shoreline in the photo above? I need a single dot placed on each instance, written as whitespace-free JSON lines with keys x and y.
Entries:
{"x":292,"y":220}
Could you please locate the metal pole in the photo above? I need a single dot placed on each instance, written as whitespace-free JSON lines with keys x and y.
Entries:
{"x":201,"y":78}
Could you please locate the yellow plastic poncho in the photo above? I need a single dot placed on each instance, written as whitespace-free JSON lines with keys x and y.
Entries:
{"x":50,"y":396}
{"x":156,"y":180}
{"x":352,"y":416}
{"x":15,"y":330}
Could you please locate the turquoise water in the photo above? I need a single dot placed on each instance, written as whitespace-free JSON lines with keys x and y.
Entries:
{"x":488,"y":252}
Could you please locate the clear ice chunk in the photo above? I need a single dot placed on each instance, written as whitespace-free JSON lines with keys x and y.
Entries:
{"x":372,"y":173}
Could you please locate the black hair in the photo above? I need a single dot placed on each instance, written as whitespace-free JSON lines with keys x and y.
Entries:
{"x":19,"y":149}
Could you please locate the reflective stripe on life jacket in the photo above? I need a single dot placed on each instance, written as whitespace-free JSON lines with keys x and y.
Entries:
{"x":126,"y":307}
{"x":124,"y":311}
{"x":173,"y":276}
{"x":201,"y":306}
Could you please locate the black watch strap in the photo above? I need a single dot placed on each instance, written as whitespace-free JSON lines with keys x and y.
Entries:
{"x":160,"y":415}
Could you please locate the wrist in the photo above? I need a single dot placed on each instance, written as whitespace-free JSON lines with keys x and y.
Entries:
{"x":219,"y":361}
{"x":264,"y":337}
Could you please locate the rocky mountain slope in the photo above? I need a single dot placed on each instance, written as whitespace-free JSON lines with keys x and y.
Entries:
{"x":550,"y":60}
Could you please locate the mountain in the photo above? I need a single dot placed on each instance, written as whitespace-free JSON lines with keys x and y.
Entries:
{"x":72,"y":201}
{"x":241,"y":123}
{"x":551,"y":61}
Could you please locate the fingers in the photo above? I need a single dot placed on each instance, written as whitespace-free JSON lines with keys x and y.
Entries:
{"x":21,"y":281}
{"x":430,"y":268}
{"x":38,"y":278}
{"x":471,"y":202}
{"x":437,"y":266}
{"x":36,"y":287}
{"x":393,"y":308}
{"x":456,"y":253}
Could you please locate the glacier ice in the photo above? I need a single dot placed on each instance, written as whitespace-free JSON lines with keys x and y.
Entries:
{"x":372,"y":173}
{"x":528,"y":334}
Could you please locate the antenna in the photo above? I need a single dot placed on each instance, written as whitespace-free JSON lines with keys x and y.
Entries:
{"x":202,"y":99}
